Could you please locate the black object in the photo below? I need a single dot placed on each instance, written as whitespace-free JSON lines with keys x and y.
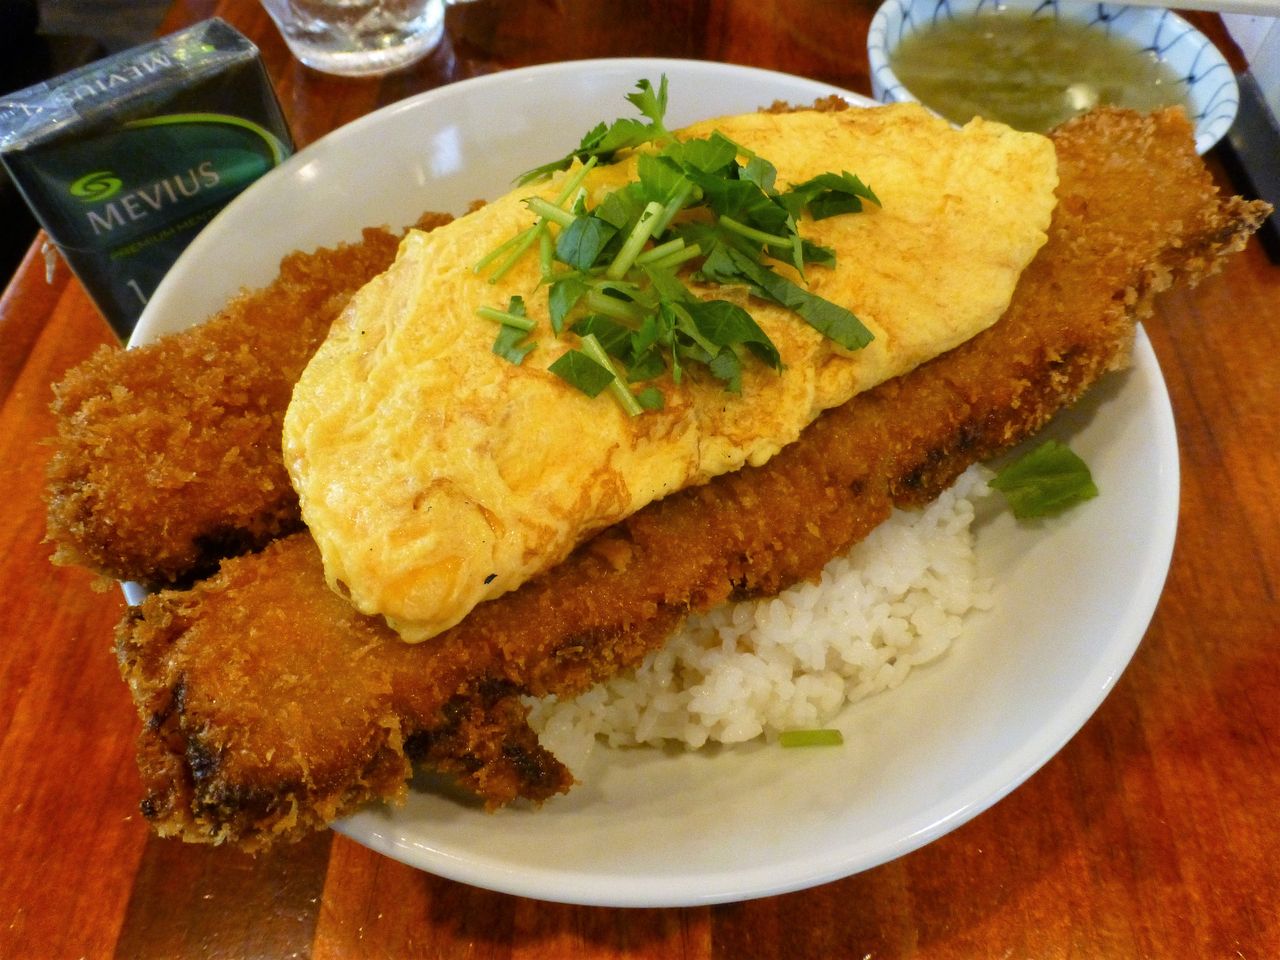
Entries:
{"x":25,"y":58}
{"x":123,"y":161}
{"x":1252,"y":155}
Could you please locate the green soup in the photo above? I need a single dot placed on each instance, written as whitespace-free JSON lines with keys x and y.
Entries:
{"x":1029,"y":72}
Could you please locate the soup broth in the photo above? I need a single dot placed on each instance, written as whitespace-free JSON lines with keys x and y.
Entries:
{"x":1031,"y":72}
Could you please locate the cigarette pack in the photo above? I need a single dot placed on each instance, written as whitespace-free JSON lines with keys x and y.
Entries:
{"x":124,"y":160}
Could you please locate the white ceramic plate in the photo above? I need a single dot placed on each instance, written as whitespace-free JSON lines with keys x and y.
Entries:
{"x":649,"y":828}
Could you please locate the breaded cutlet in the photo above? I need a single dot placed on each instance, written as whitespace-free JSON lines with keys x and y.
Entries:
{"x":304,"y":707}
{"x":167,"y":457}
{"x":270,"y":706}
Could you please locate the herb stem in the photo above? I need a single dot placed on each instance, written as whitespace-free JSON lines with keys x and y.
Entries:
{"x":506,"y":318}
{"x":502,"y":248}
{"x":675,"y":259}
{"x":797,"y":255}
{"x":810,"y":738}
{"x":672,"y":207}
{"x":523,"y":240}
{"x":624,"y":256}
{"x":601,"y":302}
{"x":751,"y":233}
{"x":626,"y":399}
{"x":545,"y":256}
{"x":574,"y":181}
{"x":549,"y":211}
{"x":660,"y":251}
{"x":526,"y":241}
{"x":635,"y":241}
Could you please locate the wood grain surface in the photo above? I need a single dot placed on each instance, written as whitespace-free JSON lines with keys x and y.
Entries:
{"x":1153,"y":833}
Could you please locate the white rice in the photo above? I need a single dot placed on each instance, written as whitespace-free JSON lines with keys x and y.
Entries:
{"x":759,"y":667}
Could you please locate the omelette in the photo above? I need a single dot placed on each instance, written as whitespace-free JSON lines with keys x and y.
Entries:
{"x":435,"y":474}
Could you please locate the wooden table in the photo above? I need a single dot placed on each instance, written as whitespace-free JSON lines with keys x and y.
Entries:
{"x":1154,"y":833}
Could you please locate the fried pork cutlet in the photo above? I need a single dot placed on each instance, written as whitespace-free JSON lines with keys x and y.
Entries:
{"x":317,"y":739}
{"x":167,"y":458}
{"x":270,"y":706}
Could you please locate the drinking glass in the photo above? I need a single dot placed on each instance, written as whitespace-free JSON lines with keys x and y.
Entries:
{"x":357,"y":38}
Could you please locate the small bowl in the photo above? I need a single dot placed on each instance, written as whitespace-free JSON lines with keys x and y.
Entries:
{"x":1212,"y":96}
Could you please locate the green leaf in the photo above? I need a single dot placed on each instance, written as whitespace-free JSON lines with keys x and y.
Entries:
{"x":711,"y":239}
{"x":660,"y":178}
{"x":592,"y":137}
{"x":513,"y":344}
{"x":687,"y":335}
{"x":588,"y":146}
{"x":652,"y":330}
{"x":645,"y":364}
{"x":828,"y":195}
{"x":620,"y":134}
{"x":667,"y":321}
{"x":650,"y":398}
{"x":725,"y":324}
{"x":578,"y":370}
{"x":667,"y":284}
{"x":510,"y":343}
{"x":623,"y":207}
{"x":640,"y":317}
{"x":831,"y":320}
{"x":712,"y":155}
{"x":563,"y":297}
{"x":814,"y":253}
{"x":647,"y":346}
{"x":727,"y":367}
{"x":581,"y":243}
{"x":832,"y":205}
{"x":1045,"y":481}
{"x":741,"y":200}
{"x":653,"y":104}
{"x":604,"y":140}
{"x":544,"y":170}
{"x":615,"y":337}
{"x":760,"y":172}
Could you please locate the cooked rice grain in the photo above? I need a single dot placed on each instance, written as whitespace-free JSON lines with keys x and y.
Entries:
{"x":759,"y":667}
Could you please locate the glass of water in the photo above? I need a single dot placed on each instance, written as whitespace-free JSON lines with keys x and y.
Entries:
{"x":357,"y":38}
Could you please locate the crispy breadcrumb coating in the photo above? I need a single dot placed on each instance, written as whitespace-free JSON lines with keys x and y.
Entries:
{"x":301,"y":699}
{"x":270,"y":706}
{"x":167,"y":458}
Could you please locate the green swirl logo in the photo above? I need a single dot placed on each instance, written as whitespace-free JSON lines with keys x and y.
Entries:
{"x":99,"y":185}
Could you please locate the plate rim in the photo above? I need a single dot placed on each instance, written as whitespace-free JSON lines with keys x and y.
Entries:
{"x":585,"y":888}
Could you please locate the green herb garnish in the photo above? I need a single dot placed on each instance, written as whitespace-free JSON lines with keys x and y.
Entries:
{"x":811,"y":738}
{"x":729,"y":265}
{"x":703,"y":210}
{"x":1045,"y":481}
{"x":577,"y":369}
{"x":604,"y":140}
{"x":828,"y":195}
{"x":512,"y":342}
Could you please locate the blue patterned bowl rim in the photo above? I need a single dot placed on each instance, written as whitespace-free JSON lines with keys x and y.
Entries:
{"x":1212,"y":94}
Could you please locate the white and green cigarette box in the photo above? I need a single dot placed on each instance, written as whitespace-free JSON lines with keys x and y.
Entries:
{"x":123,"y":161}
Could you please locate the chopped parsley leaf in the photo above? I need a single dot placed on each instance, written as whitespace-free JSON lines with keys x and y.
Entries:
{"x":1045,"y":481}
{"x":705,"y":206}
